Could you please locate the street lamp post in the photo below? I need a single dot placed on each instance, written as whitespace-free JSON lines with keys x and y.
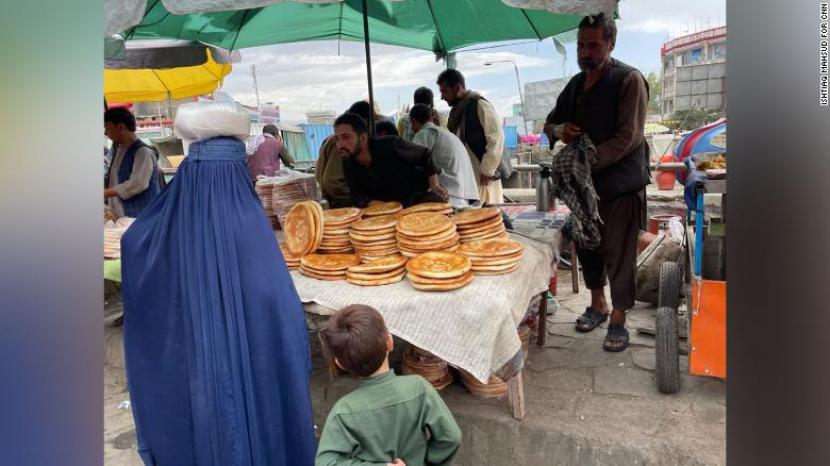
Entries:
{"x":519,"y":84}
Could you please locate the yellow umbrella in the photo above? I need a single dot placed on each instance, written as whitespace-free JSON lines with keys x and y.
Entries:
{"x":147,"y":85}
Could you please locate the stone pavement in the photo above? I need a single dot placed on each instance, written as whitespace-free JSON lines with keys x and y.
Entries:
{"x":585,"y":406}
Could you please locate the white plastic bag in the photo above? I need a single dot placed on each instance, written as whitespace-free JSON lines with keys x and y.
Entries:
{"x":203,"y":120}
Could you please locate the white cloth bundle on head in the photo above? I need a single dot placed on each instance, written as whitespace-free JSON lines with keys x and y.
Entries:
{"x":204,"y":120}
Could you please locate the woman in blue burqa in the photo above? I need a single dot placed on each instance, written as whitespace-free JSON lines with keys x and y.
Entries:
{"x":215,"y":341}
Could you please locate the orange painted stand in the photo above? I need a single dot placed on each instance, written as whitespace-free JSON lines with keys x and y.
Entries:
{"x":707,"y":355}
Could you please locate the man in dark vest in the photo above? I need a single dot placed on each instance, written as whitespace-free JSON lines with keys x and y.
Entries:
{"x":607,"y":101}
{"x":134,"y":179}
{"x":474,"y":120}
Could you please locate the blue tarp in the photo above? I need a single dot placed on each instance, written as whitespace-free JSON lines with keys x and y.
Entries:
{"x":511,"y":137}
{"x":314,"y":137}
{"x":215,"y":341}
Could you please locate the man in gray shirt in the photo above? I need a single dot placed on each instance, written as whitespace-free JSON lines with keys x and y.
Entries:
{"x":133,"y":180}
{"x":455,"y":171}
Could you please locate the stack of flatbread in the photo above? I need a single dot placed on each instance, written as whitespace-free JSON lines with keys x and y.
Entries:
{"x":435,"y":207}
{"x":292,"y":261}
{"x":424,"y":232}
{"x":383,"y":271}
{"x":336,"y":226}
{"x":303,"y":228}
{"x":374,"y":237}
{"x":478,"y":224}
{"x":378,"y":208}
{"x":439,"y":271}
{"x":435,"y":370}
{"x":493,"y":256}
{"x":289,"y":190}
{"x":265,"y":191}
{"x":327,"y":266}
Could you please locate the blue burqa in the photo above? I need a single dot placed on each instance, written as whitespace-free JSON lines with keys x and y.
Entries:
{"x":215,"y":341}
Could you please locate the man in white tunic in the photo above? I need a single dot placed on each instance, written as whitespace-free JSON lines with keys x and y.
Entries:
{"x":455,"y":172}
{"x":474,"y":120}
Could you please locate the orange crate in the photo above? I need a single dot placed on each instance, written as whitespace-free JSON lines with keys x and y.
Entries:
{"x":707,"y":340}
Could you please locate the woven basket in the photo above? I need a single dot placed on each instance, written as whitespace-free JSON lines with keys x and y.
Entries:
{"x":495,"y":388}
{"x":435,"y":370}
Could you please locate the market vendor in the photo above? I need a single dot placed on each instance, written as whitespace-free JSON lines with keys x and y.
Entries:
{"x":134,"y":179}
{"x":329,"y":168}
{"x":455,"y":171}
{"x":387,"y":168}
{"x":607,"y":101}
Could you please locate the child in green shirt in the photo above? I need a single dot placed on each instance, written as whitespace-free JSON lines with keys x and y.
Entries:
{"x":388,"y":420}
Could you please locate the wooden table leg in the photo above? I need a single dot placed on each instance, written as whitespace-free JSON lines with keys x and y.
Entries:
{"x":516,"y":395}
{"x":574,"y":268}
{"x":542,"y":325}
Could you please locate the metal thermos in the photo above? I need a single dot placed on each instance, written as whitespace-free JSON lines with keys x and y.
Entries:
{"x":545,"y":201}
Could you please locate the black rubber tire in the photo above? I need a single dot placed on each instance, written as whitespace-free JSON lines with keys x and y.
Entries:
{"x":669,"y":288}
{"x":666,"y":350}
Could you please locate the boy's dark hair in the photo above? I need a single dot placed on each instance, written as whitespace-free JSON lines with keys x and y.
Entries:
{"x":120,"y":115}
{"x":451,"y":77}
{"x":420,"y":113}
{"x":423,"y":95}
{"x":356,"y":336}
{"x":362,"y":109}
{"x":270,"y":129}
{"x":354,"y":120}
{"x":609,"y":27}
{"x":386,"y":127}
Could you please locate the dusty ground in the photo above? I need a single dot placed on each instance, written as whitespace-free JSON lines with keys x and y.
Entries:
{"x":585,"y":406}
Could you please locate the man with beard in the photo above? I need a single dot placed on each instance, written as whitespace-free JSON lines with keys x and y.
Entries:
{"x":386,"y":168}
{"x":607,"y":102}
{"x":474,"y":120}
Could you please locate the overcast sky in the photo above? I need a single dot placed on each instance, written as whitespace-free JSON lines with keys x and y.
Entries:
{"x":314,"y":76}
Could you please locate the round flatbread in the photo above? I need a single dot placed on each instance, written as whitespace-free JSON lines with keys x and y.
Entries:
{"x":369,"y":225}
{"x":373,"y":256}
{"x":475,"y":215}
{"x":439,"y":265}
{"x":497,"y":272}
{"x":328,"y":232}
{"x":511,"y":259}
{"x":300,"y":234}
{"x":379,"y":266}
{"x":436,"y":281}
{"x":376,"y":282}
{"x":474,"y":227}
{"x":307,"y":273}
{"x":438,"y":207}
{"x":341,"y":216}
{"x":324,"y":273}
{"x":483,"y":234}
{"x":382,"y":208}
{"x":423,"y":224}
{"x":490,"y":248}
{"x":379,"y":237}
{"x":330,"y":262}
{"x":286,"y":254}
{"x":441,"y":235}
{"x":377,"y":247}
{"x":447,"y":286}
{"x":429,"y":245}
{"x":317,"y":212}
{"x":331,"y":242}
{"x":376,"y":275}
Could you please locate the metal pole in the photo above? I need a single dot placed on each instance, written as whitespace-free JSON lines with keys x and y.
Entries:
{"x":521,"y":99}
{"x":369,"y":68}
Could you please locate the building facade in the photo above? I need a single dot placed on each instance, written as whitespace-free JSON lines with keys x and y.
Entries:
{"x":694,"y":72}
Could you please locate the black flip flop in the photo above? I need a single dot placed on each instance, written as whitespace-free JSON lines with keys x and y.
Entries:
{"x":616,"y":333}
{"x":589,"y":320}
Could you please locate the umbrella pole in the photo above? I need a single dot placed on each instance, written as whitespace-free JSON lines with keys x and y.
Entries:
{"x":369,"y":68}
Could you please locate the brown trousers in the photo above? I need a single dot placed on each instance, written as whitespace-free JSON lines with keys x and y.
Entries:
{"x":616,"y":256}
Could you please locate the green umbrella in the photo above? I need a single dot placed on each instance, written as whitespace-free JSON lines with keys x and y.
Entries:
{"x":441,"y":26}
